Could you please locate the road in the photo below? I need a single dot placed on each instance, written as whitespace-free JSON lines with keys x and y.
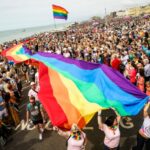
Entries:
{"x":27,"y":139}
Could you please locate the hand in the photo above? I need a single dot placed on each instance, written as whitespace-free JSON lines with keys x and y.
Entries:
{"x":116,"y":111}
{"x":44,"y":120}
{"x":99,"y":112}
{"x":2,"y":103}
{"x":55,"y":128}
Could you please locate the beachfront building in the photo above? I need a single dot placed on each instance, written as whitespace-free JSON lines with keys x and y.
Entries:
{"x":121,"y":13}
{"x":136,"y":11}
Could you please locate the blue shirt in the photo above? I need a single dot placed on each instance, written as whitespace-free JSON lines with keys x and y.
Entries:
{"x":1,"y":107}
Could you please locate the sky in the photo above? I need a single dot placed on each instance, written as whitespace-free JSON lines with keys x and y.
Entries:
{"x":15,"y":14}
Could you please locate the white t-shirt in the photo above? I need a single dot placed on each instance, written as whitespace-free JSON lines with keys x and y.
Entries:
{"x":112,"y":138}
{"x":66,"y":55}
{"x":147,"y":70}
{"x":146,"y":127}
{"x":33,"y":93}
{"x":124,"y":59}
{"x":58,"y":52}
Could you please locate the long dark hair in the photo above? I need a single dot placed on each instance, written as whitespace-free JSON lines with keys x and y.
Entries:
{"x":141,"y":72}
{"x":110,"y":120}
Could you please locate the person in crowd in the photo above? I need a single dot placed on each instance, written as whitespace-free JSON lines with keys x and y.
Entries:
{"x":147,"y":70}
{"x":1,"y":84}
{"x":37,"y":80}
{"x":111,"y":130}
{"x":3,"y":109}
{"x":31,"y":72}
{"x":4,"y":133}
{"x":76,"y":138}
{"x":143,"y":137}
{"x":33,"y":92}
{"x":24,"y":70}
{"x":35,"y":111}
{"x":148,"y":88}
{"x":141,"y":80}
{"x":132,"y":73}
{"x":13,"y":106}
{"x":116,"y":62}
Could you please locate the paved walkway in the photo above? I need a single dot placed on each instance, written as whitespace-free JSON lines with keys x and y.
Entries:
{"x":27,"y":139}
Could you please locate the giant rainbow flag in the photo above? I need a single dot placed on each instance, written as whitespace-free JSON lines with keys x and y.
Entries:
{"x":72,"y":91}
{"x":59,"y":12}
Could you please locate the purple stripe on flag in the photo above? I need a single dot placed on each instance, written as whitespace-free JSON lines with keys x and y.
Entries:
{"x":60,"y":17}
{"x":80,"y":63}
{"x":122,"y":82}
{"x":112,"y":74}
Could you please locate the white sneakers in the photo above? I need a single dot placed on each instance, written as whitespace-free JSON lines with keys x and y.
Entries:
{"x":40,"y":136}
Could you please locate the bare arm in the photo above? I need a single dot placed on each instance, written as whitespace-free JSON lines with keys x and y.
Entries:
{"x":99,"y":119}
{"x":27,"y":116}
{"x":145,"y":114}
{"x":118,"y":116}
{"x":42,"y":113}
{"x":65,"y":134}
{"x":2,"y":103}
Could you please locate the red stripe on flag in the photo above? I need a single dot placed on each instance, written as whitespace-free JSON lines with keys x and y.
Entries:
{"x":48,"y":100}
{"x":56,"y":7}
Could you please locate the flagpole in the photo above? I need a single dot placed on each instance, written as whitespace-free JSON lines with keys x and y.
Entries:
{"x":54,"y":19}
{"x":105,"y":16}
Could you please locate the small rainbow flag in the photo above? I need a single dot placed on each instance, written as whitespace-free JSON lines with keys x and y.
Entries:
{"x":59,"y":12}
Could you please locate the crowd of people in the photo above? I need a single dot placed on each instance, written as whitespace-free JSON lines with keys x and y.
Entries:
{"x":123,"y":44}
{"x":120,"y":43}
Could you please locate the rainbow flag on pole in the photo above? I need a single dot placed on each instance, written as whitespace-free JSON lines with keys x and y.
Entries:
{"x":59,"y":12}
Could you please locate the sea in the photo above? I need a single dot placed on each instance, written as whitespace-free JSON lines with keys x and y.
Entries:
{"x":9,"y":35}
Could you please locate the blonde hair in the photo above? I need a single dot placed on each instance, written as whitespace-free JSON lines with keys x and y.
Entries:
{"x":74,"y":128}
